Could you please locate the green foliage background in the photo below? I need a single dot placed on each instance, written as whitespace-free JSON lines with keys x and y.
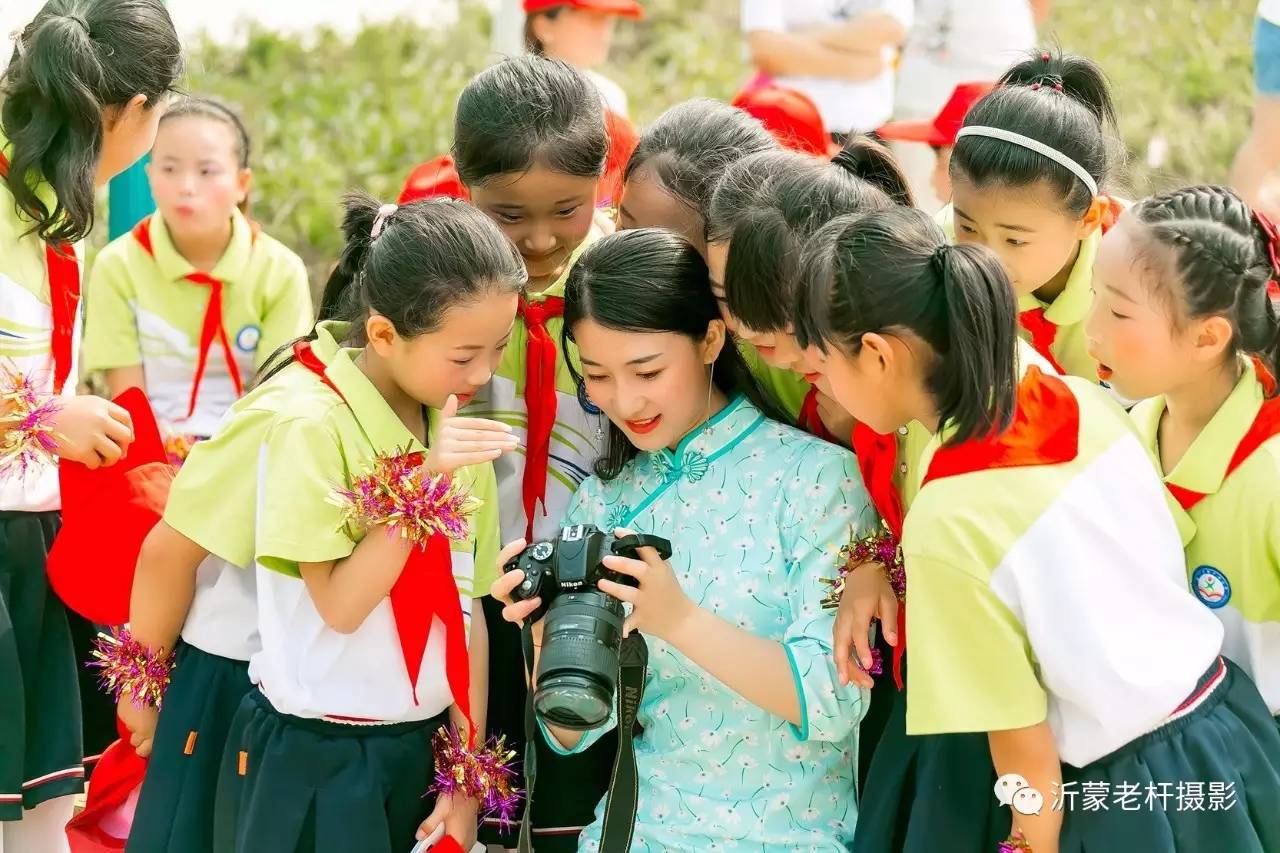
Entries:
{"x":332,"y":112}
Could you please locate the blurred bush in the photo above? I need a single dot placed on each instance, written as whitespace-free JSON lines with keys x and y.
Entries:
{"x":329,"y":112}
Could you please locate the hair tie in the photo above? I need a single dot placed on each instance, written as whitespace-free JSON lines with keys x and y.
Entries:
{"x":379,"y":221}
{"x":1045,"y":57}
{"x":939,"y":260}
{"x":81,"y":21}
{"x":1273,"y":240}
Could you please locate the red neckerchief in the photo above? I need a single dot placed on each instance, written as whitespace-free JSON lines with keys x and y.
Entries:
{"x":1045,"y":431}
{"x":1043,"y":332}
{"x":877,"y":455}
{"x":64,"y":299}
{"x":211,"y":327}
{"x":540,"y":401}
{"x":810,"y":421}
{"x":424,"y":590}
{"x":1266,"y":425}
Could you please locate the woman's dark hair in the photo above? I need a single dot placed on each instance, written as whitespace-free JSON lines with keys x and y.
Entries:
{"x":429,"y":257}
{"x":1062,"y":101}
{"x":1221,"y":255}
{"x":649,"y":280}
{"x":689,"y":147}
{"x":532,"y":43}
{"x":892,"y":271}
{"x":75,"y":59}
{"x":213,"y":110}
{"x":525,"y":112}
{"x":768,"y":205}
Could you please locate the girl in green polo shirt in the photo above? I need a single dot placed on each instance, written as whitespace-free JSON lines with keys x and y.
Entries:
{"x":530,"y":146}
{"x":83,"y":91}
{"x":1046,"y":587}
{"x":191,"y":302}
{"x":362,"y":652}
{"x":1183,"y":317}
{"x":1028,"y":173}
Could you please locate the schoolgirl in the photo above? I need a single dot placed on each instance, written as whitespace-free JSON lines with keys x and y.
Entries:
{"x":83,"y":92}
{"x":364,"y":615}
{"x":194,"y":592}
{"x":191,"y":302}
{"x":530,"y":146}
{"x":1028,"y":172}
{"x":1006,"y":545}
{"x":1182,"y":317}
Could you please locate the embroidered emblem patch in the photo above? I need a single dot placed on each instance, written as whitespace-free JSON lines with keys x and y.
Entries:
{"x":247,"y":338}
{"x":1211,"y":587}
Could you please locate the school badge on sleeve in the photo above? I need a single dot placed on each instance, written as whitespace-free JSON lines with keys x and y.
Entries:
{"x":1211,"y":587}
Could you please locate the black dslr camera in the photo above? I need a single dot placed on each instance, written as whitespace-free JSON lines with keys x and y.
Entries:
{"x":578,"y":668}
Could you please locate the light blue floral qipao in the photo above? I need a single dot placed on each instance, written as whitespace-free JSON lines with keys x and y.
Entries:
{"x":756,"y":513}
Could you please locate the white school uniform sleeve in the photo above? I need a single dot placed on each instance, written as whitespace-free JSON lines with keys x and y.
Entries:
{"x":768,"y":15}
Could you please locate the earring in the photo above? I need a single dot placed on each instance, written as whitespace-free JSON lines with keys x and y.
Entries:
{"x":711,"y":384}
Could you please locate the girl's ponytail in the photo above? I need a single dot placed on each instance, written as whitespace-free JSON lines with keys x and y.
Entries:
{"x":75,"y":60}
{"x":871,"y":161}
{"x":974,"y":383}
{"x":891,"y":272}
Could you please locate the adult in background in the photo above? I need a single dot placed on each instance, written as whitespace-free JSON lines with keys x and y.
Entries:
{"x":840,"y":53}
{"x":1253,"y":173}
{"x":953,"y":42}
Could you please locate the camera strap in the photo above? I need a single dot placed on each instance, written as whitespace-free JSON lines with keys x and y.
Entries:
{"x":623,"y":796}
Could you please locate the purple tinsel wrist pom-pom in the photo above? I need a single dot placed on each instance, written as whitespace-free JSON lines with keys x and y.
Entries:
{"x":128,"y":668}
{"x":1015,"y":843}
{"x":29,"y":440}
{"x":484,"y":774}
{"x":881,"y":547}
{"x":402,"y":494}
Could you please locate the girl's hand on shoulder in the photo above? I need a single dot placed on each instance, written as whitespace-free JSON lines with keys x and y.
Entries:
{"x":659,"y":604}
{"x":466,"y":441}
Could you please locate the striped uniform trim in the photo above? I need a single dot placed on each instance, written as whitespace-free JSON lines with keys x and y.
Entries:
{"x":1201,"y":695}
{"x":56,"y":776}
{"x":551,"y":830}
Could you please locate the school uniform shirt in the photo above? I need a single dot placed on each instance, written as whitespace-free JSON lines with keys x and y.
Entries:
{"x":756,"y":512}
{"x":1232,"y":534}
{"x":577,"y":436}
{"x":786,"y":388}
{"x":26,"y":330}
{"x":316,"y":443}
{"x":1047,"y":581}
{"x":1269,"y":10}
{"x":142,"y":310}
{"x":846,"y":105}
{"x":213,"y":502}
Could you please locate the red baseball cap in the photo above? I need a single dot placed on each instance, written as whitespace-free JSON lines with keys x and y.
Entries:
{"x":434,"y":178}
{"x":791,"y":116}
{"x":623,"y":8}
{"x":946,"y":124}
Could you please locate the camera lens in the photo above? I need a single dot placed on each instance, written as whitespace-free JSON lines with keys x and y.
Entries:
{"x":578,"y":668}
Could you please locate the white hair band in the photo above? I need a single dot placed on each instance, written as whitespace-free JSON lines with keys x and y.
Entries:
{"x":1033,"y":145}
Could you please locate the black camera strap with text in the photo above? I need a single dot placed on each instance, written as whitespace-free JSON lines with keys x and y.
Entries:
{"x":623,"y":795}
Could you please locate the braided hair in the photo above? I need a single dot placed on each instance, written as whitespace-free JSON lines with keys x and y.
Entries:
{"x":1222,"y":255}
